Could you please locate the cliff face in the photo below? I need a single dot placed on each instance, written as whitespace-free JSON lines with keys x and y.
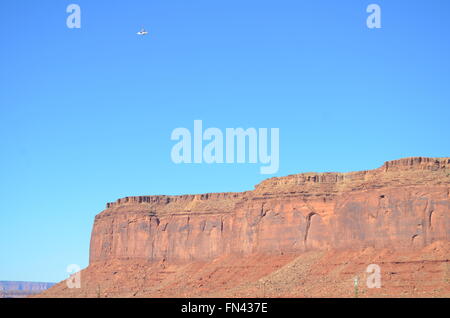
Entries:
{"x":403,"y":205}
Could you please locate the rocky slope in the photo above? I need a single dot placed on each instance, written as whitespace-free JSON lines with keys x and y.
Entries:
{"x":396,"y":214}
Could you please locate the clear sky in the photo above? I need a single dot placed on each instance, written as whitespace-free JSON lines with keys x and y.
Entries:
{"x":86,"y":114}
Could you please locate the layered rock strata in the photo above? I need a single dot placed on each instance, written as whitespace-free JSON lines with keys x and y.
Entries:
{"x":403,"y":205}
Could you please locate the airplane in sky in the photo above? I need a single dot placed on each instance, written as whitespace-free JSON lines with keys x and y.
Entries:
{"x":142,"y":32}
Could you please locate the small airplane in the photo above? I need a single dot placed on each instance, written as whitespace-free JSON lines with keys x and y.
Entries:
{"x":142,"y":32}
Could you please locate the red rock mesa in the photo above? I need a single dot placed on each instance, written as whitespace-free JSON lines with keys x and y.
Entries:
{"x":302,"y":235}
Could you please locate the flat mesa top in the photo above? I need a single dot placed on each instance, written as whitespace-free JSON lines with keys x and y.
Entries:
{"x":403,"y":172}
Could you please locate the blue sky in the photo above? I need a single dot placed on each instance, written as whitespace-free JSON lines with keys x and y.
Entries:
{"x":86,"y":114}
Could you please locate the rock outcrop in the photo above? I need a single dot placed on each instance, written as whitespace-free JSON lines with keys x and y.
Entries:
{"x":403,"y":205}
{"x":305,"y":235}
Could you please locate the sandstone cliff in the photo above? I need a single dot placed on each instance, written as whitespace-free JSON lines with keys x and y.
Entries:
{"x":305,"y":235}
{"x":402,"y":205}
